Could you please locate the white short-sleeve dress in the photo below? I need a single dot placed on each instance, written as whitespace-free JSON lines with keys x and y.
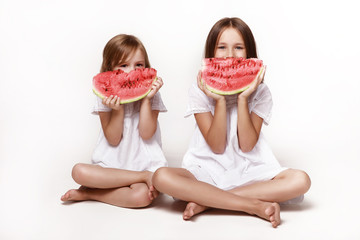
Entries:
{"x":233,"y":168}
{"x":133,"y":153}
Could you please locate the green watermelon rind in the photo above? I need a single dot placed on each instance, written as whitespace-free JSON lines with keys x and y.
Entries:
{"x":227,"y":92}
{"x":234,"y":91}
{"x":127,"y":100}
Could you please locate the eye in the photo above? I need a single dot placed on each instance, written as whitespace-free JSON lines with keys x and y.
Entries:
{"x":221,"y":47}
{"x":123,"y":65}
{"x":239,"y":47}
{"x":139,"y":65}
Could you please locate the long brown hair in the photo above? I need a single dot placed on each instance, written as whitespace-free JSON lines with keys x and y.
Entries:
{"x":237,"y":24}
{"x":119,"y":48}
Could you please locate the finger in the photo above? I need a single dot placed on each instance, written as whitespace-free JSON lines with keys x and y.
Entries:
{"x":108,"y":100}
{"x":104,"y":100}
{"x":160,"y":84}
{"x":201,"y":84}
{"x":205,"y":89}
{"x":263,"y":73}
{"x":156,"y":85}
{"x":150,"y":196}
{"x":159,"y":81}
{"x":155,"y":193}
{"x":112,"y":102}
{"x":118,"y":101}
{"x":199,"y":80}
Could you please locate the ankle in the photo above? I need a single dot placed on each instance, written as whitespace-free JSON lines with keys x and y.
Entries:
{"x":146,"y":176}
{"x":255,"y":206}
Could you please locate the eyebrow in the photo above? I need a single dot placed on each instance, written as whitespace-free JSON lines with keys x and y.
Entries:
{"x":225,"y":43}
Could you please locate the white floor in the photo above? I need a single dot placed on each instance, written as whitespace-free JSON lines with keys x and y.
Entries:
{"x":30,"y":207}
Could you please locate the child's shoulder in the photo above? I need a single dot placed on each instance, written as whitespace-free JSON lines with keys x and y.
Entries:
{"x":262,"y":91}
{"x":157,"y":103}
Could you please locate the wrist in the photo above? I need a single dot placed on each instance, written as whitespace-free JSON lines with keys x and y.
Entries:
{"x":242,"y":98}
{"x":145,"y":101}
{"x":118,"y":110}
{"x":145,"y":176}
{"x":221,"y":100}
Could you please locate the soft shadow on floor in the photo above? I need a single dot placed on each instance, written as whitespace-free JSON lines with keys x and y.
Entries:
{"x":305,"y":205}
{"x":162,"y":201}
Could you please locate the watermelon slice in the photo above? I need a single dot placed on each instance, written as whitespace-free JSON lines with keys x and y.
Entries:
{"x":227,"y":76}
{"x":129,"y":87}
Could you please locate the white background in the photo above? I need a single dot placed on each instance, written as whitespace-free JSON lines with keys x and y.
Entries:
{"x":50,"y":50}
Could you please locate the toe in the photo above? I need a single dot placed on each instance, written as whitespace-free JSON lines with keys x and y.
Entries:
{"x":150,"y":196}
{"x":65,"y":197}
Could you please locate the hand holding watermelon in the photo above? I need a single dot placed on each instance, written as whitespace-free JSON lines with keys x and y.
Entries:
{"x":157,"y":84}
{"x":202,"y":85}
{"x":112,"y":102}
{"x":254,"y":85}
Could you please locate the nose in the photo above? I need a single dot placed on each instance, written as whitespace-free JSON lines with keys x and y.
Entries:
{"x":131,"y":67}
{"x":231,"y":53}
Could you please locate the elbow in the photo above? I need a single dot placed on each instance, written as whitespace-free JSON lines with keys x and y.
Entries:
{"x":146,"y":134}
{"x":246,"y":148}
{"x":218,"y":149}
{"x":248,"y":145}
{"x":114,"y":141}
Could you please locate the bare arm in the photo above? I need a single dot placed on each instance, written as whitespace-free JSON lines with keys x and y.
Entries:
{"x":248,"y":125}
{"x":112,"y":122}
{"x":213,"y":128}
{"x":148,"y":117}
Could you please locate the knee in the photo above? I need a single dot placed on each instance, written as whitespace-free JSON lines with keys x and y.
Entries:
{"x":79,"y":173}
{"x":139,"y":197}
{"x":301,"y":181}
{"x":160,"y":176}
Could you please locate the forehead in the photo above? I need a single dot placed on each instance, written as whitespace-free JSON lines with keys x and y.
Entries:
{"x":230,"y":35}
{"x":137,"y":55}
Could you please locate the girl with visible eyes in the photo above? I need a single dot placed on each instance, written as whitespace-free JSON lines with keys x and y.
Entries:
{"x":128,"y":150}
{"x":228,"y":164}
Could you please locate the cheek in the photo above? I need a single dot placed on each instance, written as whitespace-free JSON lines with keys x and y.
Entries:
{"x":219,"y":54}
{"x":241,"y":54}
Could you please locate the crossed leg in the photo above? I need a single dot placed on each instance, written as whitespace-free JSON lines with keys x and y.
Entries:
{"x":181,"y":184}
{"x":286,"y":185}
{"x":113,"y":186}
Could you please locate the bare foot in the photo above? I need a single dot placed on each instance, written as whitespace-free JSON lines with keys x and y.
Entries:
{"x":270,"y":212}
{"x":153,"y":193}
{"x":193,"y":209}
{"x":74,"y":195}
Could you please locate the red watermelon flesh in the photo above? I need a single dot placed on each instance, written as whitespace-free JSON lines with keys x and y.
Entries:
{"x":227,"y":76}
{"x":129,"y":87}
